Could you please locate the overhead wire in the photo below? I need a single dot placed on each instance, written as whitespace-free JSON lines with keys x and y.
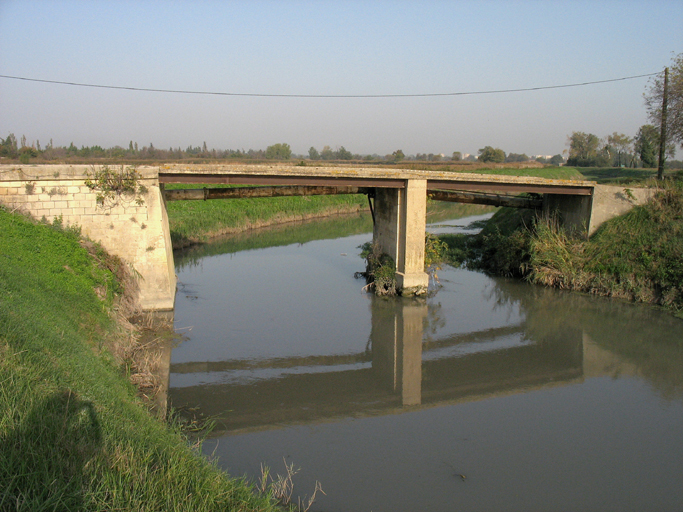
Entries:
{"x":342,"y":96}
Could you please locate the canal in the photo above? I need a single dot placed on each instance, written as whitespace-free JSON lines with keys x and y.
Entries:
{"x":490,"y":394}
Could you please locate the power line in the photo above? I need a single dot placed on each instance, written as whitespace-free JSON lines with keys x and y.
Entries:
{"x":259,"y":95}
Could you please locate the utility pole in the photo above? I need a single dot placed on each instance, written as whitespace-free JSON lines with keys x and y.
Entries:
{"x":662,"y":135}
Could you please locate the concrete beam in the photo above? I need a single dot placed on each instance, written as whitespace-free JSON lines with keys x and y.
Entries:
{"x":488,"y":199}
{"x":203,"y":194}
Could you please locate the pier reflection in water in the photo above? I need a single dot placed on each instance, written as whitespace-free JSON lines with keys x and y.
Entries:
{"x":387,"y":376}
{"x":543,"y":400}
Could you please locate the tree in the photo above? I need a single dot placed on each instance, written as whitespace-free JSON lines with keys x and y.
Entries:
{"x":645,"y":145}
{"x":327,"y":153}
{"x":515,"y":157}
{"x":344,"y":154}
{"x":398,"y":155}
{"x":653,"y":101}
{"x":556,"y":160}
{"x":490,"y":154}
{"x":457,"y":156}
{"x":278,"y":152}
{"x":313,"y":154}
{"x":584,"y":151}
{"x":620,"y":146}
{"x":8,"y":147}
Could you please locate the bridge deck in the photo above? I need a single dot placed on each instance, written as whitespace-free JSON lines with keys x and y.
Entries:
{"x":236,"y":174}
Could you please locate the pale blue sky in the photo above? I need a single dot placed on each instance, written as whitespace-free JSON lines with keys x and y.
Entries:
{"x":336,"y":48}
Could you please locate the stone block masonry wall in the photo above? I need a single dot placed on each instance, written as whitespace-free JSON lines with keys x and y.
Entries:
{"x":138,"y":234}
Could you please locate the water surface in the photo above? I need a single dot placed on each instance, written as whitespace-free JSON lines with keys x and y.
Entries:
{"x":489,"y":395}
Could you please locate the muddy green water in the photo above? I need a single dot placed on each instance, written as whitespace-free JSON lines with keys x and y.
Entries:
{"x":490,"y":395}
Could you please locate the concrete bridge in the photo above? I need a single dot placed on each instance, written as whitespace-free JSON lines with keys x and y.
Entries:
{"x":138,"y":232}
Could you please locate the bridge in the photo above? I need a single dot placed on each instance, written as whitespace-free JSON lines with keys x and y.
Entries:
{"x":138,"y":232}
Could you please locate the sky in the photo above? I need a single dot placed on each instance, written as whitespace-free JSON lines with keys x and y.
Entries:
{"x":337,"y":48}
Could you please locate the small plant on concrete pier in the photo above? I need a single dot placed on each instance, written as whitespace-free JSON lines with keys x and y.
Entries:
{"x":380,"y":270}
{"x":435,"y":253}
{"x":115,"y":187}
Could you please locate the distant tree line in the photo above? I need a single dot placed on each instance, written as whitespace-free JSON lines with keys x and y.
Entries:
{"x":497,"y":155}
{"x":585,"y":150}
{"x":9,"y":148}
{"x":619,"y":150}
{"x":12,"y":149}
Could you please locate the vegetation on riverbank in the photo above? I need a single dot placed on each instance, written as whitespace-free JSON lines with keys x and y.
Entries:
{"x":636,"y":256}
{"x":193,"y":222}
{"x":74,"y":434}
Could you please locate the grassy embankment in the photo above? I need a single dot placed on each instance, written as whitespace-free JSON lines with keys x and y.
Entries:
{"x":73,"y":433}
{"x":636,"y":256}
{"x":196,"y":221}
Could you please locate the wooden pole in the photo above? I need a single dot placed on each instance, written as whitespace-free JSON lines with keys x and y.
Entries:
{"x":662,"y":136}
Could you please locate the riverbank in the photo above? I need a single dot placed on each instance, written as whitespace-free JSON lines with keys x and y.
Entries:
{"x":74,"y":432}
{"x":193,"y":222}
{"x":636,"y":256}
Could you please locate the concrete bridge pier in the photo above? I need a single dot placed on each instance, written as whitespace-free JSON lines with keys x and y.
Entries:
{"x":573,"y":211}
{"x":400,"y":223}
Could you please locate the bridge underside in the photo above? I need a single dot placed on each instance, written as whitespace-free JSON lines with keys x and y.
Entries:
{"x":204,"y":194}
{"x":462,"y":185}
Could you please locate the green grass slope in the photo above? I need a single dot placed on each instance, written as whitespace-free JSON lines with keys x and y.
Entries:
{"x":73,"y":435}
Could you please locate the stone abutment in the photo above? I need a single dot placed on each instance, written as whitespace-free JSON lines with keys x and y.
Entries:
{"x":138,"y":233}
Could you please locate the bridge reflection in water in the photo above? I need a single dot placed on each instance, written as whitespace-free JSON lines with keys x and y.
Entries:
{"x":401,"y":369}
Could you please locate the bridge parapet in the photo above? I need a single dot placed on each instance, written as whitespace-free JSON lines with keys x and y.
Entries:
{"x":137,"y":233}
